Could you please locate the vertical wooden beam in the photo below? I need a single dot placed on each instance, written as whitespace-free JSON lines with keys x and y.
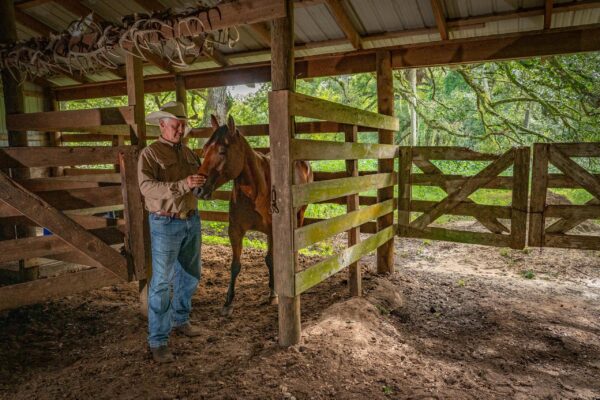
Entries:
{"x":181,"y":96}
{"x":180,"y":91}
{"x":539,"y":187}
{"x":404,"y":189}
{"x":352,"y":204}
{"x":14,"y":103}
{"x":136,"y":236}
{"x":135,"y":95}
{"x":385,"y":105}
{"x":518,"y":224}
{"x":284,"y":218}
{"x":549,"y":5}
{"x":54,"y":138}
{"x":440,"y":18}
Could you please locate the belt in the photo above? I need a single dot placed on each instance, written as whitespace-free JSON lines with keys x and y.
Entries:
{"x":177,"y":215}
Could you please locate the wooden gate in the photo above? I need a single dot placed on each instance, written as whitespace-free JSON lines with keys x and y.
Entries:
{"x":458,"y":189}
{"x":546,"y":233}
{"x":65,"y":206}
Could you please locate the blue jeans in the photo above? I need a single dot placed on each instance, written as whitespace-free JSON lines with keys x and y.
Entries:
{"x":176,"y":263}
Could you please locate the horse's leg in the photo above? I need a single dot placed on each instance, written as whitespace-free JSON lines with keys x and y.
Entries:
{"x":301,"y":216}
{"x":273,"y":299}
{"x":236,"y":236}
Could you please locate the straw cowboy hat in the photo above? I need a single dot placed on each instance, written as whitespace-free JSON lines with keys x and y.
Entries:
{"x":172,"y":109}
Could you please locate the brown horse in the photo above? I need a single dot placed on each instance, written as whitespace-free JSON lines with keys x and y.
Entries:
{"x":228,"y":156}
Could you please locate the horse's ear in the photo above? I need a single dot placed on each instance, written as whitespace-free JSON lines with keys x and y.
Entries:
{"x":213,"y":121}
{"x":231,"y":125}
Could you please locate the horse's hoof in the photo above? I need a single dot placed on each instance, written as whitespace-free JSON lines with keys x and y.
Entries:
{"x":274,"y":300}
{"x":226,"y":311}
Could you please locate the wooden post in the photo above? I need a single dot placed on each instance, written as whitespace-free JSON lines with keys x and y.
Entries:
{"x":180,"y":92}
{"x":135,"y":95}
{"x":352,"y":204}
{"x":181,"y":96}
{"x":404,"y":189}
{"x":284,"y":218}
{"x":518,"y":224}
{"x":539,"y":187}
{"x":385,"y":105}
{"x":14,"y":103}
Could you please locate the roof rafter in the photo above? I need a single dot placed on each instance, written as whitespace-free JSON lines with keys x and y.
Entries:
{"x":32,"y":23}
{"x":79,"y":9}
{"x":336,"y":8}
{"x":440,"y":18}
{"x":548,"y":14}
{"x":263,"y":33}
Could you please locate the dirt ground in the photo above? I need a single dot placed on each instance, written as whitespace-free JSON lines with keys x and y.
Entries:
{"x":454,"y":321}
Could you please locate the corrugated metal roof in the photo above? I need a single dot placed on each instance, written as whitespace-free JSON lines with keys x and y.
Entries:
{"x":409,"y":21}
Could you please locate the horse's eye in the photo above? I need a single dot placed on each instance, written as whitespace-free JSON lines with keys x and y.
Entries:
{"x":223,"y":152}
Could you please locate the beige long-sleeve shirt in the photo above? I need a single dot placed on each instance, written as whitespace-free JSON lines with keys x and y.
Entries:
{"x":162,"y":169}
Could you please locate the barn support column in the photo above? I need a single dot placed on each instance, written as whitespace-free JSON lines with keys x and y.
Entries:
{"x":385,"y":105}
{"x":14,"y":103}
{"x":137,"y":217}
{"x":284,"y":217}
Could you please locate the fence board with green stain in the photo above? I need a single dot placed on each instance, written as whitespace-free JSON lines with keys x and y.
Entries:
{"x":319,"y":272}
{"x":326,"y":150}
{"x":315,"y":192}
{"x":313,"y":233}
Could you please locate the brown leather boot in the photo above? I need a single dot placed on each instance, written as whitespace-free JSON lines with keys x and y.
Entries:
{"x":188,"y":330}
{"x":162,"y":354}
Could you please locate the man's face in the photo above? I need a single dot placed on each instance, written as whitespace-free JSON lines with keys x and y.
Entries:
{"x":172,"y":129}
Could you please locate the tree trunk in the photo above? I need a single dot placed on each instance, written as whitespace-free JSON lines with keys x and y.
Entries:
{"x":216,"y":103}
{"x":413,"y":107}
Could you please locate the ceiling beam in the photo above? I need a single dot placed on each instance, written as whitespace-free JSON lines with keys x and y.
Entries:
{"x":523,"y":13}
{"x":336,"y":8}
{"x":23,"y":5}
{"x":493,"y":48}
{"x":263,"y":33}
{"x":78,"y":8}
{"x":440,"y":18}
{"x":150,"y":5}
{"x":548,"y":14}
{"x":33,"y":24}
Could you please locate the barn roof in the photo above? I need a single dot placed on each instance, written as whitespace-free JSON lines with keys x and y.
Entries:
{"x":325,"y":27}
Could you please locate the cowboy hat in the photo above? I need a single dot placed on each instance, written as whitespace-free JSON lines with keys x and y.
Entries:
{"x":172,"y":109}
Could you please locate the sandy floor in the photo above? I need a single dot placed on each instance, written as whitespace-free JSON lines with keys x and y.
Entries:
{"x":454,"y":321}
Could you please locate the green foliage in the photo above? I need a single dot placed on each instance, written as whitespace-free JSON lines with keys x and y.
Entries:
{"x":528,"y":274}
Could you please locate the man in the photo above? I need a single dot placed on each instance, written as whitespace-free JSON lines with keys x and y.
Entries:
{"x":167,"y":176}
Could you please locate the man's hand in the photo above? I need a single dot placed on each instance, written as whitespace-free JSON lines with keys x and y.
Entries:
{"x":194,"y":181}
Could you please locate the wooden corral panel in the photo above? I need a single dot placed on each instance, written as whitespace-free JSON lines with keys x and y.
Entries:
{"x":458,"y":190}
{"x":566,"y":216}
{"x":64,"y":206}
{"x":339,"y":187}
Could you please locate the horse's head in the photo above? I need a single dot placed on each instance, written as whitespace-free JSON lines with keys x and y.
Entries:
{"x":223,"y":156}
